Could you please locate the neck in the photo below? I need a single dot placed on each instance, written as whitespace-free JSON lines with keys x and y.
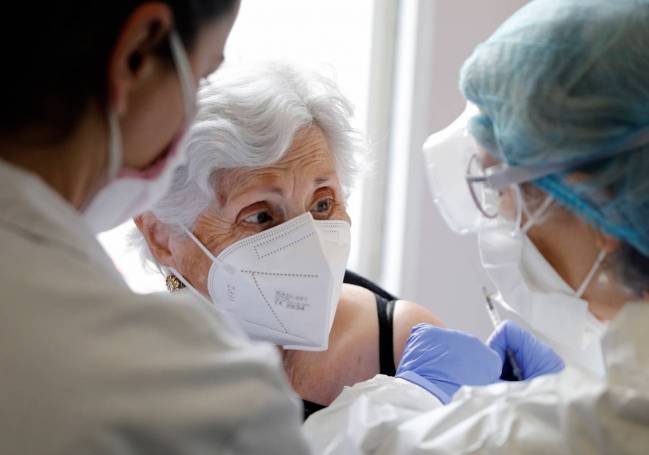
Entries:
{"x":72,"y":167}
{"x":570,"y":246}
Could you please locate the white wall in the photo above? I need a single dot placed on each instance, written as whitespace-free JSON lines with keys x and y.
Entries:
{"x":424,"y":261}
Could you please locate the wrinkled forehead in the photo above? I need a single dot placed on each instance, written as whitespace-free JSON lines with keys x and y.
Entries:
{"x":308,"y":162}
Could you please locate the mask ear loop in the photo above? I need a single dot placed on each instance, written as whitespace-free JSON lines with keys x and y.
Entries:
{"x":114,"y":145}
{"x":537,"y":214}
{"x":199,"y":244}
{"x":533,"y":219}
{"x":593,"y":270}
{"x":207,"y":252}
{"x":181,"y":61}
{"x":185,"y":74}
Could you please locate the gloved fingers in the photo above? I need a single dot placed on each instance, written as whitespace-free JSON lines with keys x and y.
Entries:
{"x":549,"y":364}
{"x":533,"y":356}
{"x":463,"y":358}
{"x":419,"y":330}
{"x":507,"y":336}
{"x":449,"y":355}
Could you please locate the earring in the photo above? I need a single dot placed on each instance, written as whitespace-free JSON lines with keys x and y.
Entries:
{"x":603,"y":280}
{"x":173,"y":283}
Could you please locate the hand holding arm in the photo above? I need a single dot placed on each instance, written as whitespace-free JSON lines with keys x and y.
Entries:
{"x":443,"y":360}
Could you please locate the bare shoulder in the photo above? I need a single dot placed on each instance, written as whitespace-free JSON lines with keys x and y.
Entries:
{"x":408,"y":314}
{"x":355,"y":301}
{"x":352,"y":355}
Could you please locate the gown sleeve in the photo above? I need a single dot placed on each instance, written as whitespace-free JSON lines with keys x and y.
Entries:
{"x":568,"y":413}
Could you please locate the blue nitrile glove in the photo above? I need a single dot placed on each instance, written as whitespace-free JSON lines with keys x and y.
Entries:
{"x":534,"y":358}
{"x":443,"y":360}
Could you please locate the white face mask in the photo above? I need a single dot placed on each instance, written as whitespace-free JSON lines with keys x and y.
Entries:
{"x":532,"y":292}
{"x":131,"y":192}
{"x":283,"y":285}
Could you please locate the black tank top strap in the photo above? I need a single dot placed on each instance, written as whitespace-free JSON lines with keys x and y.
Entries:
{"x":385,"y":313}
{"x":356,"y":279}
{"x":310,"y":407}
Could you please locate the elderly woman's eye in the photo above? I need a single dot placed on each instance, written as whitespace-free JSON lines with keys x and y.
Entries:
{"x":259,"y":218}
{"x":323,"y":206}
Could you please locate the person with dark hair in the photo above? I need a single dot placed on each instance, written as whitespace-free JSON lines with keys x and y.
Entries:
{"x":94,"y":103}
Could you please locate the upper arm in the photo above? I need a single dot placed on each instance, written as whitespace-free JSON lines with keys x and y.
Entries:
{"x":407,"y":315}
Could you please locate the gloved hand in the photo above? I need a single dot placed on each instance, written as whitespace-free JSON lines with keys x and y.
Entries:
{"x":443,"y":360}
{"x":534,"y":358}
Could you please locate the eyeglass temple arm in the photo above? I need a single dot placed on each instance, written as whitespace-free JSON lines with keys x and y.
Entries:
{"x":504,"y":176}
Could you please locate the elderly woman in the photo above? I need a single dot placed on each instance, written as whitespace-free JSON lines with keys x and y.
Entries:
{"x":270,"y":158}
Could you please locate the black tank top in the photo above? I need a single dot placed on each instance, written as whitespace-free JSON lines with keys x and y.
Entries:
{"x":385,"y":313}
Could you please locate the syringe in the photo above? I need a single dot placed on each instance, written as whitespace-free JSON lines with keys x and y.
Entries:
{"x":495,"y":320}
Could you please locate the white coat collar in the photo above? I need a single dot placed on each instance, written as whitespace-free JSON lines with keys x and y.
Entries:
{"x":29,"y":206}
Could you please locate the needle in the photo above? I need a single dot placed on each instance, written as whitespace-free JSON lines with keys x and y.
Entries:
{"x":495,"y":320}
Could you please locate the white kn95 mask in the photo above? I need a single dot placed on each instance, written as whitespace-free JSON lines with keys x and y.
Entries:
{"x":283,"y":285}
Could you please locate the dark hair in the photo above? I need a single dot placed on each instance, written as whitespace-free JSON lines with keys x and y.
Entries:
{"x":56,"y":55}
{"x":632,"y":268}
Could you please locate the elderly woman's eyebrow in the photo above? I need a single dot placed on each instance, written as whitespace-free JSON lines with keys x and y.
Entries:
{"x":325,"y":178}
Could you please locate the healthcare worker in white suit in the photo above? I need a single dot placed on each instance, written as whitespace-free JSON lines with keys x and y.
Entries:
{"x":550,"y":166}
{"x":94,"y":102}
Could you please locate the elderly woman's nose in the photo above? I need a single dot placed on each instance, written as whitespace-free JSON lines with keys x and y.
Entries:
{"x":295,"y":210}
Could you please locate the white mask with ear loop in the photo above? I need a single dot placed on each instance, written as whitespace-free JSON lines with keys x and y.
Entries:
{"x":282,"y":285}
{"x":130,"y":192}
{"x":534,"y":294}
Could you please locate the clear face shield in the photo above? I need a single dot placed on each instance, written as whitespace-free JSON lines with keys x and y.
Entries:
{"x":467,"y":189}
{"x":449,"y":155}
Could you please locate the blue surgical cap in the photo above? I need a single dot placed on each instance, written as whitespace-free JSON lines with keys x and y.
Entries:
{"x":560,"y":82}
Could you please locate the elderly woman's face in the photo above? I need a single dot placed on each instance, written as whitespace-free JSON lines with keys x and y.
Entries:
{"x":251,"y":200}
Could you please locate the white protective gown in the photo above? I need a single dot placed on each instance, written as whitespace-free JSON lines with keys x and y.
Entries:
{"x":86,"y":366}
{"x":573,"y":412}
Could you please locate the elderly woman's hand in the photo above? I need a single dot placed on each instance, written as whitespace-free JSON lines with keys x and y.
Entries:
{"x":443,"y":360}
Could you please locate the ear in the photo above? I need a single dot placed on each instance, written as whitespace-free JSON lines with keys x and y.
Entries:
{"x":133,"y":56}
{"x":157,"y":238}
{"x":606,"y":243}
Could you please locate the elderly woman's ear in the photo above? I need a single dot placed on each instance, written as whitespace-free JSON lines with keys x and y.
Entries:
{"x":157,"y":238}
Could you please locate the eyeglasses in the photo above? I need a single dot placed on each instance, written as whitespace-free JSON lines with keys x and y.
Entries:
{"x":485,"y":198}
{"x":493,"y":198}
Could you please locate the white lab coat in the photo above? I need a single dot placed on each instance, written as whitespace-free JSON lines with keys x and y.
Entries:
{"x":573,"y":412}
{"x":86,"y":366}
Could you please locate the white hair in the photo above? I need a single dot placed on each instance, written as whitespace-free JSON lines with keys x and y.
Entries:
{"x":249,"y":118}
